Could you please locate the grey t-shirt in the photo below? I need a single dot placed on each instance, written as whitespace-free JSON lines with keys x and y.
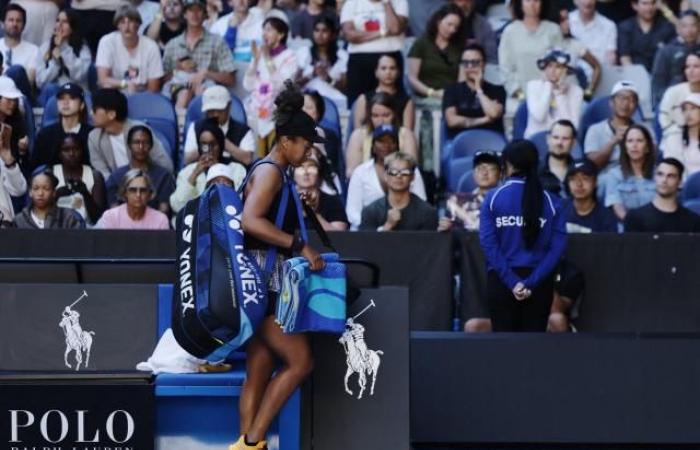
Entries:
{"x":597,"y":136}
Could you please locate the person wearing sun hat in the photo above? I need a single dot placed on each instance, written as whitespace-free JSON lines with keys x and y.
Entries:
{"x":552,"y":97}
{"x":12,"y":183}
{"x":683,"y":141}
{"x":11,"y":115}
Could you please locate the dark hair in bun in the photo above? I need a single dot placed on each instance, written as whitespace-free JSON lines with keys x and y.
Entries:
{"x":289,"y":102}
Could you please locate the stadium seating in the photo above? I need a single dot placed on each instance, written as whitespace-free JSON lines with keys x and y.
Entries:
{"x":468,"y":142}
{"x":636,"y":73}
{"x":691,"y":187}
{"x":693,"y":205}
{"x":456,"y":169}
{"x":520,"y":121}
{"x":156,"y":111}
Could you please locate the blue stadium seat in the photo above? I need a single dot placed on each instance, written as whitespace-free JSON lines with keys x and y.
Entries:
{"x":29,"y":123}
{"x":165,"y":141}
{"x":158,"y":112}
{"x":331,"y":118}
{"x":520,"y":121}
{"x":456,"y":169}
{"x":540,"y":141}
{"x":597,"y":110}
{"x":469,"y":142}
{"x":351,"y":126}
{"x":466,"y":182}
{"x":693,"y":205}
{"x":691,"y":187}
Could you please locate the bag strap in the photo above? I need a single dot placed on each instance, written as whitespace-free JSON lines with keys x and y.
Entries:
{"x":318,"y":227}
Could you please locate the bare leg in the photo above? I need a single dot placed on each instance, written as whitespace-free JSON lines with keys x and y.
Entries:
{"x":260,"y":363}
{"x":295,"y":352}
{"x":558,"y":319}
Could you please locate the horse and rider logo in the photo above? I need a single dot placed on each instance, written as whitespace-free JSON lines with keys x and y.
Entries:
{"x":360,"y":360}
{"x":77,"y":340}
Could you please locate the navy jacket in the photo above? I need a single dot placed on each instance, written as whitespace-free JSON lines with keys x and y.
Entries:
{"x":501,"y":236}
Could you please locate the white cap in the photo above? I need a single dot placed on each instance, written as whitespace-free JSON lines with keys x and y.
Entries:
{"x":624,"y":85}
{"x":693,"y":99}
{"x":276,"y":13}
{"x":8,"y":89}
{"x":215,"y":97}
{"x":220,"y":170}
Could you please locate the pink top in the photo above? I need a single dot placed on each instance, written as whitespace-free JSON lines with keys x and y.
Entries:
{"x":118,"y":219}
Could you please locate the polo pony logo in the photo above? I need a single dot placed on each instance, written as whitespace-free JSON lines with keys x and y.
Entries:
{"x":77,"y":340}
{"x":359,"y":358}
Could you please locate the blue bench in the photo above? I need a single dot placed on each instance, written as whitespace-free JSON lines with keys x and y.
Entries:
{"x":202,"y":409}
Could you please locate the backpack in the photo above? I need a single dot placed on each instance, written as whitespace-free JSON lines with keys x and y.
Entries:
{"x":220,"y":292}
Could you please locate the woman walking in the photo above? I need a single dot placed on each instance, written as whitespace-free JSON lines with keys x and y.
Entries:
{"x":264,"y":395}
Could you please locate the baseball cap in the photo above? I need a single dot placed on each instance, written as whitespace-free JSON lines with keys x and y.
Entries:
{"x":215,"y":97}
{"x":385,"y":130}
{"x":8,"y":89}
{"x":693,"y":99}
{"x":187,"y":3}
{"x":72,"y":89}
{"x":487,"y":156}
{"x":220,"y":170}
{"x":556,"y":55}
{"x":584,"y":166}
{"x":624,"y":85}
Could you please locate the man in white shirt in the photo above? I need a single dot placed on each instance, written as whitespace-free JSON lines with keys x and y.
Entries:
{"x":240,"y":28}
{"x":240,"y":143}
{"x":15,"y":50}
{"x":597,"y":31}
{"x":107,"y":141}
{"x":126,"y":60}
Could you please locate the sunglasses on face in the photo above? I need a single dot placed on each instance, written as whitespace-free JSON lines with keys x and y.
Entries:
{"x":138,"y":190}
{"x":399,"y":173}
{"x":471,"y":62}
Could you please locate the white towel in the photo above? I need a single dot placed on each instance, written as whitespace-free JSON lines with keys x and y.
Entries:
{"x":169,"y":357}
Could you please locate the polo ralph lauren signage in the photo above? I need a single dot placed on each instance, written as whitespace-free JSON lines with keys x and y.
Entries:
{"x":77,"y":416}
{"x":76,"y":327}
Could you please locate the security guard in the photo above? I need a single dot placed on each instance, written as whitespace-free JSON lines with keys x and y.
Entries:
{"x":523,"y":236}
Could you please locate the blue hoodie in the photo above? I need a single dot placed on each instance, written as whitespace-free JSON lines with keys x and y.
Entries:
{"x":501,"y":236}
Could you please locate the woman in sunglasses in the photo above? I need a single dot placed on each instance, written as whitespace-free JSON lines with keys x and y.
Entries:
{"x":473,"y":102}
{"x":552,"y":98}
{"x":135,"y":214}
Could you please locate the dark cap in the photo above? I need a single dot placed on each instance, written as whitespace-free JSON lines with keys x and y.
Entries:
{"x":72,"y":89}
{"x":301,"y":125}
{"x":187,"y":3}
{"x":385,"y":130}
{"x":487,"y":156}
{"x":584,"y":166}
{"x":553,"y":55}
